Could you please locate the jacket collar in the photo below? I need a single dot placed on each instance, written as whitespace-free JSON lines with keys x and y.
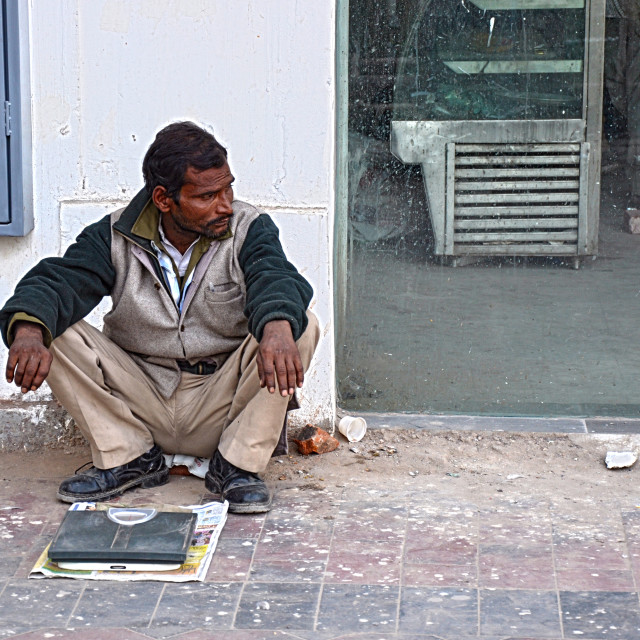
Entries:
{"x":125,"y":224}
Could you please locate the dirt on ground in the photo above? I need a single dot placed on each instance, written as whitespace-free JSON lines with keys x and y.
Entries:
{"x":474,"y":467}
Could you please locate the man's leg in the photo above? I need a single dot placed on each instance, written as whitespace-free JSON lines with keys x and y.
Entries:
{"x":230,"y":411}
{"x":112,"y":402}
{"x":240,"y":421}
{"x":256,"y":417}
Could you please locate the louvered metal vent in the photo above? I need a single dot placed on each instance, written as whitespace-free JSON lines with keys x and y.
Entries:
{"x":513,"y":199}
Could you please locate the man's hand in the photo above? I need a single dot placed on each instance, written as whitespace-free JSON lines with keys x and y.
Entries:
{"x":29,"y":360}
{"x":278,"y":359}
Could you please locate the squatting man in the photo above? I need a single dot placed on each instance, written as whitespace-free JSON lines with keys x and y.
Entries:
{"x":207,"y":340}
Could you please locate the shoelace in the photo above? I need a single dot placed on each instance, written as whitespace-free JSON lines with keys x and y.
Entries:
{"x":81,"y":467}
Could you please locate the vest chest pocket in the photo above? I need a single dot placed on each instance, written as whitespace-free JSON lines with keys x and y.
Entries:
{"x":226,"y":292}
{"x":226,"y":311}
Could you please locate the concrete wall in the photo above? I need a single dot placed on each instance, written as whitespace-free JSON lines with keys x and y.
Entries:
{"x":107,"y":74}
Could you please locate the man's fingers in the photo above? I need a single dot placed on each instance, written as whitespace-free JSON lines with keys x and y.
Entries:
{"x":267,"y":378}
{"x":30,"y":371}
{"x":293,"y":376}
{"x":12,"y":361}
{"x":286,"y":376}
{"x":42,"y":373}
{"x":18,"y":374}
{"x":285,"y":371}
{"x":279,"y":359}
{"x":299,"y":370}
{"x":260,"y":369}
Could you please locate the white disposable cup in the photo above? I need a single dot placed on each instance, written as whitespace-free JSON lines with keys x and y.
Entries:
{"x":353,"y":429}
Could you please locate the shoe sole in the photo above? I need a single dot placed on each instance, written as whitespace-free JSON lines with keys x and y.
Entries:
{"x":235,"y":507}
{"x":145,"y":482}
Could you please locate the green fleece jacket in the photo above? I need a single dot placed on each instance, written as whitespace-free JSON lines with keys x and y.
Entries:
{"x":59,"y":291}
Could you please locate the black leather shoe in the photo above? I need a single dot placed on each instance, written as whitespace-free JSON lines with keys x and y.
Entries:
{"x":245,"y":491}
{"x":147,"y":470}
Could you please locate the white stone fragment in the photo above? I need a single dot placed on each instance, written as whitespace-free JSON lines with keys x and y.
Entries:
{"x":620,"y":459}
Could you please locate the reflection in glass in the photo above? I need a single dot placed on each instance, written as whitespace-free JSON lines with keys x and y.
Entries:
{"x":477,"y":61}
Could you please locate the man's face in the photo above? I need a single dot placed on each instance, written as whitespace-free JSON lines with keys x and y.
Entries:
{"x":204,"y":207}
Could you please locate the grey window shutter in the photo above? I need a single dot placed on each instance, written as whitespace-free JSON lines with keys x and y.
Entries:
{"x":14,"y":219}
{"x":5,"y":197}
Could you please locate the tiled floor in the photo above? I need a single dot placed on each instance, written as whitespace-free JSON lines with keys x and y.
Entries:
{"x":345,"y":563}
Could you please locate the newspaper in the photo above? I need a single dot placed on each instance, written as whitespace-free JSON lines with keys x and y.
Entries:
{"x":211,"y":519}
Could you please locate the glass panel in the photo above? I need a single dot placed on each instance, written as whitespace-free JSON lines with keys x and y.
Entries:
{"x":489,"y":59}
{"x":501,"y":335}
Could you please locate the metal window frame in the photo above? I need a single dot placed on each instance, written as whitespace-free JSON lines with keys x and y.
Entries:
{"x":15,"y":124}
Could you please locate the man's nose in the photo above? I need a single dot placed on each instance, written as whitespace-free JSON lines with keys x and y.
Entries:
{"x":225,"y":203}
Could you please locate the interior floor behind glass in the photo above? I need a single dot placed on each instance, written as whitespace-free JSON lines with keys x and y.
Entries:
{"x":500,"y":336}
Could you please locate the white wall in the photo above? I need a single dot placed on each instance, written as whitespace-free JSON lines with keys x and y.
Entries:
{"x":107,"y":74}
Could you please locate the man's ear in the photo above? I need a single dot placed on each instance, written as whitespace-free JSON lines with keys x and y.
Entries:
{"x":161,"y":199}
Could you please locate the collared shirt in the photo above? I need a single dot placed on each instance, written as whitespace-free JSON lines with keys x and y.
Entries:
{"x":181,"y":260}
{"x":174,"y":266}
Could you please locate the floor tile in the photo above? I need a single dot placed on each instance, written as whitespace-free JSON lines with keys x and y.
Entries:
{"x":370,"y":523}
{"x":519,"y":613}
{"x":120,"y":604}
{"x":36,"y":603}
{"x":279,"y":569}
{"x":443,"y":612}
{"x":588,"y":554}
{"x":512,"y":528}
{"x":242,"y":526}
{"x":50,"y":633}
{"x":232,"y":560}
{"x":194,"y":605}
{"x":293,"y":544}
{"x":364,"y":562}
{"x":9,"y":565}
{"x":358,"y":608}
{"x":434,"y":549}
{"x":598,"y":614}
{"x":286,"y":553}
{"x":19,"y":532}
{"x":32,"y":555}
{"x":594,"y":578}
{"x":516,"y":567}
{"x":278,"y":606}
{"x":444,"y":575}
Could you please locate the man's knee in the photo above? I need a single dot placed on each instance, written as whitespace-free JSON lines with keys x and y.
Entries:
{"x":72,"y":335}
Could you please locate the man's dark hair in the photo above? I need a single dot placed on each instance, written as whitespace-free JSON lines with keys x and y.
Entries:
{"x":176,"y":148}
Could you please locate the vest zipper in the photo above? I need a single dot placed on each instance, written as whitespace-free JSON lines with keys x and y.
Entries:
{"x":156,"y":266}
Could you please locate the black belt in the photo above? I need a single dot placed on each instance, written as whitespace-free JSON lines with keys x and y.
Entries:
{"x":199,"y":368}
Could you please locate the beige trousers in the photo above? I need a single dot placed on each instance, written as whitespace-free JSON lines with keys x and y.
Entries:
{"x":121,"y":414}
